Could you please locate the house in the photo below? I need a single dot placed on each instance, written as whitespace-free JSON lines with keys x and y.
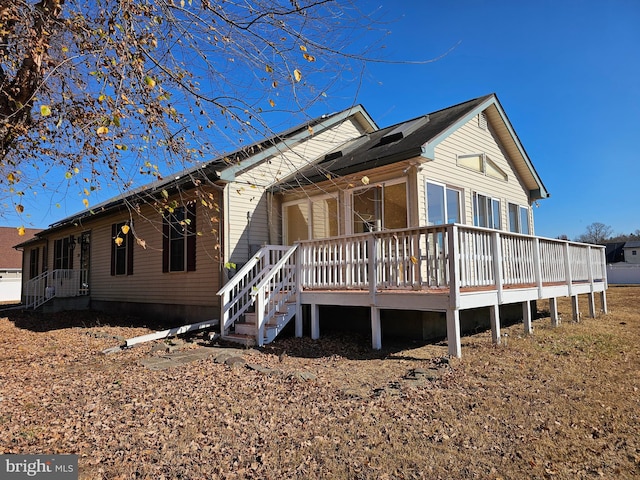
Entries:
{"x":433,"y":215}
{"x":11,"y":264}
{"x":623,"y":262}
{"x":631,"y":251}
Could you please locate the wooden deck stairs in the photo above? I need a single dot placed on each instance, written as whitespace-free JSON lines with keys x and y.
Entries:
{"x":261,"y":298}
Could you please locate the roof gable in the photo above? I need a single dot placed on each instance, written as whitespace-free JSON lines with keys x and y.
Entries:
{"x":418,"y":137}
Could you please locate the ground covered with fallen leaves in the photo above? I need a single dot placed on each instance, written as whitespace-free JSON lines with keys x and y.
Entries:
{"x":562,"y":403}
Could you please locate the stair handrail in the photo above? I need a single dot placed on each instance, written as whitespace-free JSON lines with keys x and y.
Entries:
{"x":34,"y":300}
{"x":242,"y":275}
{"x":258,"y":293}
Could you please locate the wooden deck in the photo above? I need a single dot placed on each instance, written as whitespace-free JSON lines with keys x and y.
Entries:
{"x":445,"y":268}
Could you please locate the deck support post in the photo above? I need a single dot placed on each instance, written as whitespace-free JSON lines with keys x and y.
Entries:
{"x":553,"y":312}
{"x":494,"y":316}
{"x":298,"y":319}
{"x":592,"y":304}
{"x":376,"y":328}
{"x":603,"y":301}
{"x":315,"y":322}
{"x":453,"y":333}
{"x":575,"y":308}
{"x":526,"y":316}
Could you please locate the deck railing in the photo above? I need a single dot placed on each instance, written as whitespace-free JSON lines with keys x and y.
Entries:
{"x":237,"y":293}
{"x":420,"y":259}
{"x":55,"y":283}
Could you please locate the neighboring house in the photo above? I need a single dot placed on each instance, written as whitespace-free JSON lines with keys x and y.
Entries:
{"x":11,"y":264}
{"x":623,"y":266}
{"x":433,"y":215}
{"x":631,"y":251}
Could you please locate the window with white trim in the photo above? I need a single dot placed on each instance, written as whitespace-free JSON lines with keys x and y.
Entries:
{"x":315,"y":217}
{"x":486,"y":211}
{"x":518,"y":219}
{"x":443,"y":204}
{"x":481,"y":163}
{"x":379,"y":207}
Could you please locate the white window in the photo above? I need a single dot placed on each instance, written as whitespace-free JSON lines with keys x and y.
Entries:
{"x":518,"y":219}
{"x":486,"y":211}
{"x":379,"y":207}
{"x":479,"y":162}
{"x":443,"y":204}
{"x":310,"y":218}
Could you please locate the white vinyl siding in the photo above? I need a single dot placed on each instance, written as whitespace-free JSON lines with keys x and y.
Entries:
{"x":249,"y":223}
{"x":444,"y":169}
{"x":148,"y":284}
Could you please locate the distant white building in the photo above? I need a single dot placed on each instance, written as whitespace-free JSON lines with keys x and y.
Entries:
{"x":11,"y":263}
{"x":624,"y":269}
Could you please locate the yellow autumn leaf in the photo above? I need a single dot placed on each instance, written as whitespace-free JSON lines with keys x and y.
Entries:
{"x":303,"y":48}
{"x":365,"y":180}
{"x":45,"y":110}
{"x":125,"y":229}
{"x":272,"y":103}
{"x":118,"y":241}
{"x":102,"y":97}
{"x":309,"y":58}
{"x":413,"y":259}
{"x":102,"y":130}
{"x":149,"y":82}
{"x":268,"y":68}
{"x":11,"y":178}
{"x":19,"y":208}
{"x":85,"y":202}
{"x":297,"y":74}
{"x":21,"y":231}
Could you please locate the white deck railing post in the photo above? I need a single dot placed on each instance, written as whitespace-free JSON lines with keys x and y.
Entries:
{"x":298,"y":282}
{"x":591,"y":296}
{"x":454,"y":266}
{"x":567,"y":269}
{"x":497,"y":264}
{"x":537,"y":265}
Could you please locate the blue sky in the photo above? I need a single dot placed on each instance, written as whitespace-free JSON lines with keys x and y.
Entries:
{"x":566,"y":72}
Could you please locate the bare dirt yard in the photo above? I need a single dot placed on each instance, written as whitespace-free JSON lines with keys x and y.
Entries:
{"x":562,"y":403}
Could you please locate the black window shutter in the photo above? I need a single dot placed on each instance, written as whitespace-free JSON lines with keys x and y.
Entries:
{"x":113,"y":249}
{"x":130,"y":253}
{"x":69,"y":253}
{"x":165,"y":244}
{"x":191,"y":238}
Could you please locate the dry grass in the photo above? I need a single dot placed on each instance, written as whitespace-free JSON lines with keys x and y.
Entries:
{"x":561,"y":403}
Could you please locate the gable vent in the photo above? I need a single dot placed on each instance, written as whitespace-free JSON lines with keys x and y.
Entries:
{"x":482,"y":121}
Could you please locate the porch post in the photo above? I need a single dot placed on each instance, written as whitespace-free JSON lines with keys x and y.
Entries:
{"x":526,"y":316}
{"x":575,"y":310}
{"x":553,"y":311}
{"x":592,"y":304}
{"x":494,"y":316}
{"x":376,"y":329}
{"x":453,"y":333}
{"x":315,"y":322}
